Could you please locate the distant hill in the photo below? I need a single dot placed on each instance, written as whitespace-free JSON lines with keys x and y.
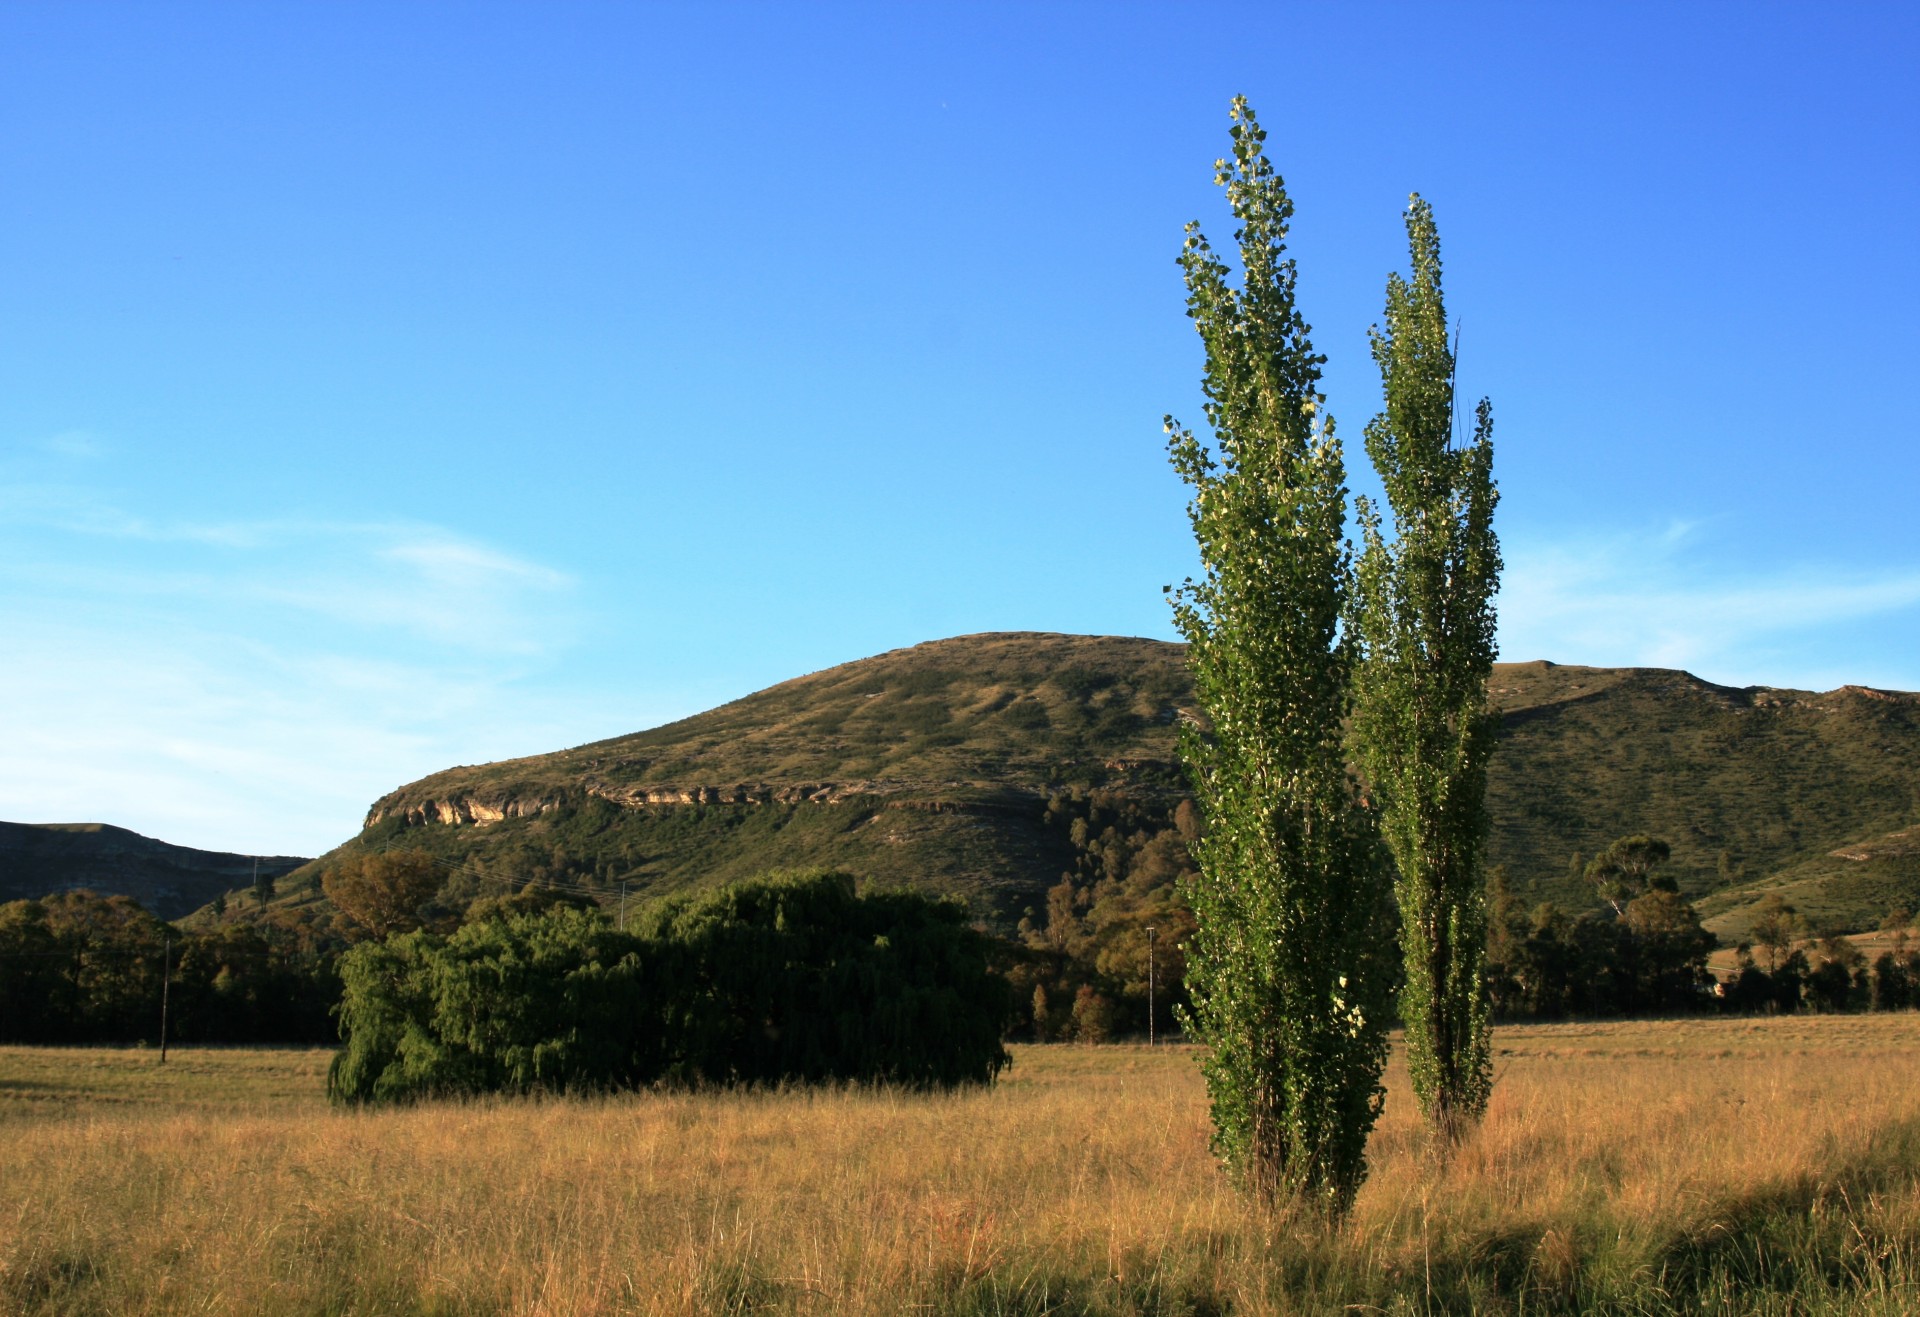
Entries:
{"x":935,"y":766}
{"x":39,"y":859}
{"x":1746,"y":783}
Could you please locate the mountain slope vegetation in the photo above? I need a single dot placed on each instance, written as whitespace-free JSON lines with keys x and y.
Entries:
{"x":970,"y":766}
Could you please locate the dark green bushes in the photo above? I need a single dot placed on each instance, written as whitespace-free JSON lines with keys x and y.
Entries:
{"x":803,"y":979}
{"x":545,"y":1001}
{"x":785,"y":978}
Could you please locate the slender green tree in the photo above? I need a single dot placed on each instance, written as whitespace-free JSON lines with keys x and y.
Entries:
{"x":1425,"y":615}
{"x":1286,"y":970}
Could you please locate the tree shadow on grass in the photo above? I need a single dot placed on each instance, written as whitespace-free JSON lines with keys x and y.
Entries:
{"x":1817,"y":1233}
{"x":1817,"y":1243}
{"x":1811,"y":1242}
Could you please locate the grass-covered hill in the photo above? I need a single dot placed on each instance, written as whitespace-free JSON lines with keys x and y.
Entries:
{"x":38,"y":859}
{"x":929,"y":766}
{"x":954,"y":765}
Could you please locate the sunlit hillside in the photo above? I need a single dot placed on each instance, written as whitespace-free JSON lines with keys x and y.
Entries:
{"x":935,"y":765}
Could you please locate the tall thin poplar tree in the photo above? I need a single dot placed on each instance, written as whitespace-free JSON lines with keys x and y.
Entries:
{"x":1423,"y":729}
{"x":1286,"y":969}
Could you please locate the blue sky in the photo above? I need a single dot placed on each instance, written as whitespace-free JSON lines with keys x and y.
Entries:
{"x":386,"y":387}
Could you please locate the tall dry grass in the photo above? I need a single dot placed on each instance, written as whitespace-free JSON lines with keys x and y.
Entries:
{"x":1716,"y":1166}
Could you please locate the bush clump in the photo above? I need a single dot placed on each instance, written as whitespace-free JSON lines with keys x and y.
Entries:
{"x":787,"y":978}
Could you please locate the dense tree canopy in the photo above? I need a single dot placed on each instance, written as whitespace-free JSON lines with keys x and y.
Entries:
{"x":382,"y":892}
{"x":77,"y":967}
{"x":785,"y":978}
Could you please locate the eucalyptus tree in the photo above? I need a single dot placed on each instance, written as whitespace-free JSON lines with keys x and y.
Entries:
{"x":1425,"y":616}
{"x":1286,"y":971}
{"x":1626,"y":870}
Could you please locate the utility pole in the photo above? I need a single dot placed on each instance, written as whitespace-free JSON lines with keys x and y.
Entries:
{"x":166,"y":982}
{"x":1150,"y":935}
{"x":623,"y":905}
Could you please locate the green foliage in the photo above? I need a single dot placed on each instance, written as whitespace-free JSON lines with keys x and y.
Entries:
{"x":1776,"y":927}
{"x":553,"y":1001}
{"x":1094,"y":1017}
{"x":383,"y":892}
{"x":82,"y":968}
{"x":1840,"y":980}
{"x":1423,"y":727}
{"x":1545,"y":964}
{"x":787,"y":978}
{"x":1129,"y":859}
{"x":532,"y":899}
{"x":1645,"y":956}
{"x":1285,"y":967}
{"x":1628,"y":868}
{"x":76,"y":967}
{"x":1895,"y":983}
{"x":252,"y":983}
{"x":800,"y":977}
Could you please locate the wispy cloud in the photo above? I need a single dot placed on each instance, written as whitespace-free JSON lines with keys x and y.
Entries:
{"x":76,"y":444}
{"x":430,"y":582}
{"x":255,"y":684}
{"x":1662,"y":598}
{"x":459,"y":564}
{"x":224,"y":740}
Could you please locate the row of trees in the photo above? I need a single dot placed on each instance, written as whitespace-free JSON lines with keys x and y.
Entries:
{"x":82,"y":968}
{"x":1547,"y":964}
{"x":1830,"y":975}
{"x":77,"y":967}
{"x":1344,"y":759}
{"x":1082,"y":967}
{"x":781,"y":979}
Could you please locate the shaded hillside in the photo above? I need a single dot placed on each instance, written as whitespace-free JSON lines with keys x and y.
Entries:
{"x":1742,"y":782}
{"x":38,"y":859}
{"x":936,"y":765}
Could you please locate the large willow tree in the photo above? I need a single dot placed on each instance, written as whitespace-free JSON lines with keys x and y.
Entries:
{"x":1285,"y":970}
{"x":1423,"y":728}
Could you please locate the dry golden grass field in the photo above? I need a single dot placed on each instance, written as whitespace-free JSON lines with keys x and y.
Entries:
{"x":1724,"y":1166}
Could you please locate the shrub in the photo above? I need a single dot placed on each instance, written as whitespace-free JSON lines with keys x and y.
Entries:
{"x":784,"y":978}
{"x":1093,"y":1017}
{"x":553,"y":1001}
{"x":798,"y":977}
